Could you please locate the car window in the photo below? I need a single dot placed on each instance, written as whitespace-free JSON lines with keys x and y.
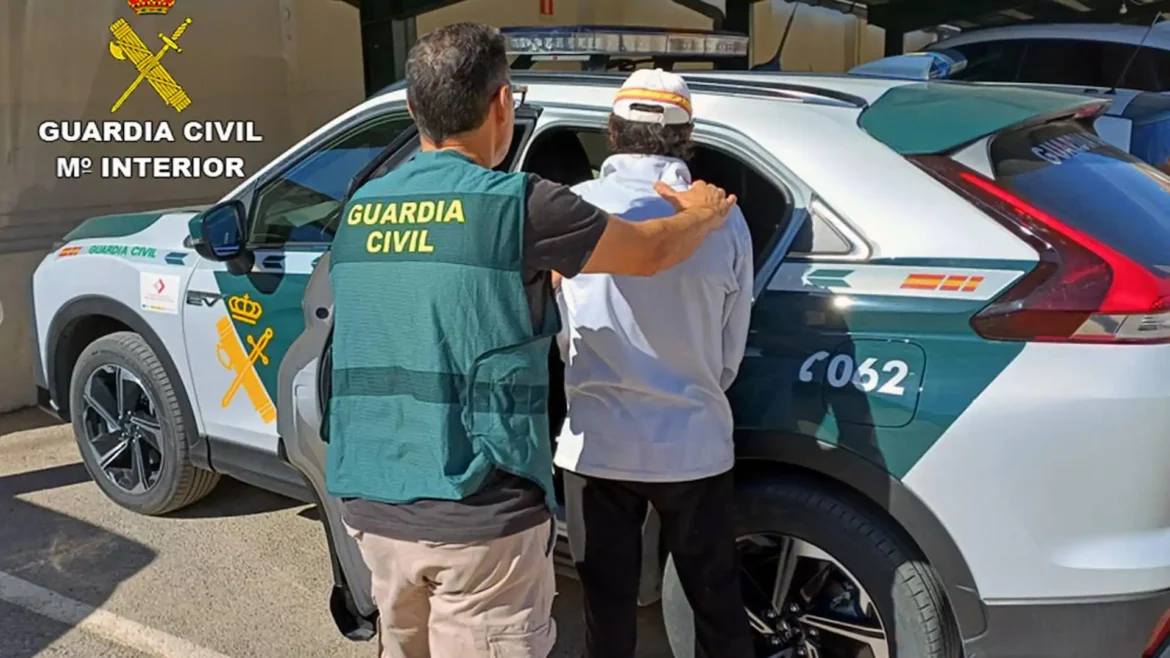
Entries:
{"x":1142,"y":73}
{"x":573,"y":155}
{"x":302,"y":204}
{"x":1063,"y":61}
{"x":818,"y":237}
{"x":1161,"y":65}
{"x":995,"y":61}
{"x":1091,"y":186}
{"x":1074,"y":62}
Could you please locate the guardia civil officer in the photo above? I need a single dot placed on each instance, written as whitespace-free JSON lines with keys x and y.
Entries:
{"x":438,"y":428}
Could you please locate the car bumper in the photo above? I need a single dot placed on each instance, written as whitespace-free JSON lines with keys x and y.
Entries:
{"x":1116,"y":628}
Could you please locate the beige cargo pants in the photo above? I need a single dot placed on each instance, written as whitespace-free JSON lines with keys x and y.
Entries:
{"x":491,"y":599}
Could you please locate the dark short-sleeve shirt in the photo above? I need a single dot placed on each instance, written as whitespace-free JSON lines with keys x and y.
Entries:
{"x":560,"y":232}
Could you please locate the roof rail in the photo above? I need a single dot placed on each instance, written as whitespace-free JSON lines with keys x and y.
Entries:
{"x":771,"y":89}
{"x":716,"y":83}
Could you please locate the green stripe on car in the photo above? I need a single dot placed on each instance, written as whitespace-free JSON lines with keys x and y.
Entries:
{"x":878,"y":359}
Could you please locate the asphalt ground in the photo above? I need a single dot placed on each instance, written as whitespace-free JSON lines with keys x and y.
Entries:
{"x":242,"y":574}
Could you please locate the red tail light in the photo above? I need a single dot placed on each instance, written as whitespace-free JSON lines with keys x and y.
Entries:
{"x":1159,"y":638}
{"x":1082,"y":290}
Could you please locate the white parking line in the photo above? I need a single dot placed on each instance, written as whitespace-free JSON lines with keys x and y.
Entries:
{"x":116,"y":629}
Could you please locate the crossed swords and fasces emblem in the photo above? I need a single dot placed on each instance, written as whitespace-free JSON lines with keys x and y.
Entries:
{"x":231,"y":355}
{"x":127,"y":44}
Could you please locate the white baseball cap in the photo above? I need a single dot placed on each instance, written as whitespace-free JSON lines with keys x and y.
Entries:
{"x":654,"y":96}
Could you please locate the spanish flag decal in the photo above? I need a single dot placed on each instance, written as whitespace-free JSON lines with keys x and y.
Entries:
{"x":942,"y":283}
{"x":923,"y":282}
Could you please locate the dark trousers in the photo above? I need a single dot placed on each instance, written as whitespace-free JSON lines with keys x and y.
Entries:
{"x":605,"y":535}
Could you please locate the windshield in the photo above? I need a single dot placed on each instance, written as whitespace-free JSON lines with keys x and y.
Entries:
{"x":1078,"y":178}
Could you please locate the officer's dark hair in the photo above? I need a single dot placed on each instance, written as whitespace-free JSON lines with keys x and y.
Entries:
{"x":626,"y":136}
{"x":451,"y":76}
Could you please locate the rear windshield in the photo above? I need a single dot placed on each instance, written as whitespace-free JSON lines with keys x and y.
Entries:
{"x":1086,"y":183}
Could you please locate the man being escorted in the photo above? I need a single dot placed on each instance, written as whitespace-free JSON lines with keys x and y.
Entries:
{"x":647,"y":363}
{"x":438,"y":421}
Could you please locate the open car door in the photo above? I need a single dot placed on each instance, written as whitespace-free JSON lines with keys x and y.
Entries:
{"x":303,"y":390}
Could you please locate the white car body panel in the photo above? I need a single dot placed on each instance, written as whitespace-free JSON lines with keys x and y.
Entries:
{"x":1061,"y":440}
{"x":60,"y":280}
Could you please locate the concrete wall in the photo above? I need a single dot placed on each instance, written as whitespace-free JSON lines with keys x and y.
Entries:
{"x":287,"y":65}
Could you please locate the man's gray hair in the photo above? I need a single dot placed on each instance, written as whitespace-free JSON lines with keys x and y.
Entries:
{"x":451,"y":76}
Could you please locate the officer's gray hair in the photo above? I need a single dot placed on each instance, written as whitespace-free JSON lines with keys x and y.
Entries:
{"x":451,"y":76}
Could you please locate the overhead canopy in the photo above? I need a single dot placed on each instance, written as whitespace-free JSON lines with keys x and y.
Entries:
{"x":900,"y":15}
{"x":908,"y":15}
{"x":904,"y":15}
{"x":388,"y":32}
{"x":399,"y":10}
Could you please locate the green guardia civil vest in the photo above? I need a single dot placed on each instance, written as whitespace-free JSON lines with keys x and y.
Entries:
{"x":438,"y":374}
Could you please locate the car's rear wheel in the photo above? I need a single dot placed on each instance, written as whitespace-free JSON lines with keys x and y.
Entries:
{"x":130,"y":427}
{"x":824,"y":579}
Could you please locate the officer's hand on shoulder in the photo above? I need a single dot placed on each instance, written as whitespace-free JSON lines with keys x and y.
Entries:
{"x":699,"y":195}
{"x":647,"y":247}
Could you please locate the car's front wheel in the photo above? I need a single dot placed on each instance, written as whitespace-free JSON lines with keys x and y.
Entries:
{"x":823,"y":578}
{"x":130,"y":427}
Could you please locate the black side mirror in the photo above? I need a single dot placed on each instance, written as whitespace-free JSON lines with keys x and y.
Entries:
{"x":222,"y":231}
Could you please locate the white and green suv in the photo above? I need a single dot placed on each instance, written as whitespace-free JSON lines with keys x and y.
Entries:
{"x":954,"y":411}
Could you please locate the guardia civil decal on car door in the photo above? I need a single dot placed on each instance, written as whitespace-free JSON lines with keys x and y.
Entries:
{"x":262,"y":317}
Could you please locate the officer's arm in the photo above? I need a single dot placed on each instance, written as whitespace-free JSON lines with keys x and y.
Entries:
{"x":648,"y":247}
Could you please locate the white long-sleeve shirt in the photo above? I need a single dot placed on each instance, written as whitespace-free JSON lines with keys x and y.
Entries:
{"x":648,"y":359}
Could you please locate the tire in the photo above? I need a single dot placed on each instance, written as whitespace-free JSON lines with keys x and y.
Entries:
{"x":179,"y":482}
{"x":905,"y":589}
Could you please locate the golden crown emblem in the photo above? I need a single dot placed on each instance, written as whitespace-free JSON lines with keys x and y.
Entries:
{"x":244,"y":309}
{"x":151,"y":6}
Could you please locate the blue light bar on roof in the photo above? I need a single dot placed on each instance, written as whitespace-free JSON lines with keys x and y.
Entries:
{"x":933,"y":65}
{"x":582,"y":41}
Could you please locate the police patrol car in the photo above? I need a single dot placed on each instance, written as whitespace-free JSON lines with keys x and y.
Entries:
{"x":953,"y":411}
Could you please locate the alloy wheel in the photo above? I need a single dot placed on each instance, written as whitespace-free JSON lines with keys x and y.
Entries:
{"x":803,"y":603}
{"x":122,"y":430}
